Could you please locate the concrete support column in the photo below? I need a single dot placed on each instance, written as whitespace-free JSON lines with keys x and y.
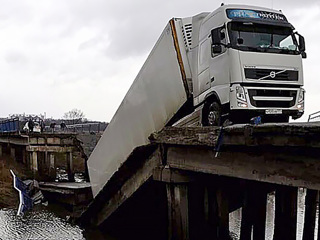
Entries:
{"x":70,"y":167}
{"x":223,"y":213}
{"x":34,"y":161}
{"x":24,"y":155}
{"x":178,"y":227}
{"x":254,"y":212}
{"x":310,"y":214}
{"x":52,"y":168}
{"x":13,"y":152}
{"x":46,"y":159}
{"x":285,"y":224}
{"x":52,"y":160}
{"x":29,"y":160}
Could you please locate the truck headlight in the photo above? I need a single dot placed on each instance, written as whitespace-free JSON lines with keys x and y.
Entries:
{"x":301,"y":96}
{"x":240,"y":93}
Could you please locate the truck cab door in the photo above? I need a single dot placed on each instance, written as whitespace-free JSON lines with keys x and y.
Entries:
{"x":203,"y":65}
{"x":219,"y":73}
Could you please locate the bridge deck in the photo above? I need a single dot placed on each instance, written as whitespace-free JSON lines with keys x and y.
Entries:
{"x":272,"y":155}
{"x":67,"y":192}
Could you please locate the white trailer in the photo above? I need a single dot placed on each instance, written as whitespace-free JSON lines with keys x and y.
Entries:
{"x":234,"y":63}
{"x":157,"y":93}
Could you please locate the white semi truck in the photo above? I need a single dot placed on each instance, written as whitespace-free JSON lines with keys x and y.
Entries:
{"x":235,"y":63}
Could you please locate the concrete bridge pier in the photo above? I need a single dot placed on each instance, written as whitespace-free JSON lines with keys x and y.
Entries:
{"x":33,"y":161}
{"x":43,"y":163}
{"x":70,"y":167}
{"x":52,"y":165}
{"x":12,"y":151}
{"x":254,"y":211}
{"x":199,"y":207}
{"x":286,"y":213}
{"x":178,"y":227}
{"x":311,"y":202}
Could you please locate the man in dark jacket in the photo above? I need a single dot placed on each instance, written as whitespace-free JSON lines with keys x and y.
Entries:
{"x":30,"y":125}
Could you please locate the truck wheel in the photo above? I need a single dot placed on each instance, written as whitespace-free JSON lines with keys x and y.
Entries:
{"x":214,"y":115}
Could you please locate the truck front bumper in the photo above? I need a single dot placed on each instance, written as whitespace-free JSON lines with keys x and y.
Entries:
{"x":272,"y":101}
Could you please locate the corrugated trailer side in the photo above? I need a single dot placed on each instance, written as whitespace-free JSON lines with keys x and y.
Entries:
{"x":156,"y":94}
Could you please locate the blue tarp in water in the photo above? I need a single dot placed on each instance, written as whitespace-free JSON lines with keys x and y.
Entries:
{"x":26,"y":202}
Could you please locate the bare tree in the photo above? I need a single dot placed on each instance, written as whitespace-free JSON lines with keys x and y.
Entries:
{"x":75,"y":115}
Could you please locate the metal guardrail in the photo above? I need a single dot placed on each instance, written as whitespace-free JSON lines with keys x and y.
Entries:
{"x":14,"y":125}
{"x":85,"y":127}
{"x":314,"y":116}
{"x":79,"y":127}
{"x":10,"y":125}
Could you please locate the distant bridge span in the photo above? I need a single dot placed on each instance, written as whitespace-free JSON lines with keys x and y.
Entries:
{"x":37,"y":150}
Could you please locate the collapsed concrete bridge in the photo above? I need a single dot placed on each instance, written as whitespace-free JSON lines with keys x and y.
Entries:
{"x":178,"y":187}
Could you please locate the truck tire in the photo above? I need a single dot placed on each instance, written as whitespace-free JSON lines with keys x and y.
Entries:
{"x":214,"y":115}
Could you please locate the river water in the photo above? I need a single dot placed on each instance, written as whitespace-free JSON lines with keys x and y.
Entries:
{"x":40,"y":223}
{"x":48,"y":223}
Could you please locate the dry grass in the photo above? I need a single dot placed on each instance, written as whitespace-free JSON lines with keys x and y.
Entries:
{"x":8,"y":195}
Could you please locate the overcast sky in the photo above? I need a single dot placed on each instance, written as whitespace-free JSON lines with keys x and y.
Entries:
{"x":59,"y":55}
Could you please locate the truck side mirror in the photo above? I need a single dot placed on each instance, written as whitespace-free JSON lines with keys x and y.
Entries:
{"x":216,"y":36}
{"x":302,"y":44}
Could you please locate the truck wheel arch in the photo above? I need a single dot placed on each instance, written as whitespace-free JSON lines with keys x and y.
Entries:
{"x":210,"y":98}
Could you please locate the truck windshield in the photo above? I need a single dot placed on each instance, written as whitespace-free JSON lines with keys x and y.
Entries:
{"x":247,"y":36}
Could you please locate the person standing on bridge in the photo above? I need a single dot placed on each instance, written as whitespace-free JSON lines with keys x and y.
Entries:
{"x":30,"y":125}
{"x":52,"y":126}
{"x":63,"y":126}
{"x":42,"y":125}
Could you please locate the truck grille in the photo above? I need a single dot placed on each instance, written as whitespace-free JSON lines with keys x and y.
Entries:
{"x":271,"y":74}
{"x":272,"y":93}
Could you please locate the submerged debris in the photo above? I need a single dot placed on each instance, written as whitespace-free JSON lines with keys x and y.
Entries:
{"x":29,"y":193}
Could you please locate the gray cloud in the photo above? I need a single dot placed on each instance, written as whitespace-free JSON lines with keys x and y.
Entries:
{"x":15,"y":58}
{"x":87,"y":53}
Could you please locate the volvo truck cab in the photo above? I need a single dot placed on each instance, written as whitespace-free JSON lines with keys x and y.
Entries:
{"x":249,"y":63}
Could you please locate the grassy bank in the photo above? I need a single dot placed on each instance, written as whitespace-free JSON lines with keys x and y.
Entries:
{"x":8,"y":195}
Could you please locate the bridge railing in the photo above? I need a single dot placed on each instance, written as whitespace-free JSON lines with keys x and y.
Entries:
{"x":85,"y":127}
{"x":314,"y":116}
{"x":10,"y":125}
{"x":79,"y":127}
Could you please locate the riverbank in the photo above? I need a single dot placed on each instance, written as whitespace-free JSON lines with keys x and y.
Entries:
{"x":9,"y":197}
